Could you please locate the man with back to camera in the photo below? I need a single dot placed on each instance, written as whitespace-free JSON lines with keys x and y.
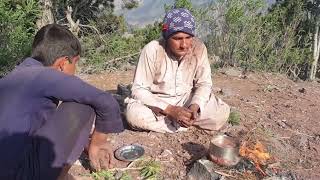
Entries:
{"x":40,"y":139}
{"x":172,"y":87}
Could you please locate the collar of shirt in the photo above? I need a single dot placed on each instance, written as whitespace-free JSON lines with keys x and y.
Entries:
{"x":30,"y":62}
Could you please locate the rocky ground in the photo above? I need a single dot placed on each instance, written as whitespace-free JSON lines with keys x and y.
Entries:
{"x":283,"y":115}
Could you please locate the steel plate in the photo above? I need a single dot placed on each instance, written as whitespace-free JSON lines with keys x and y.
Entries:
{"x":129,"y":152}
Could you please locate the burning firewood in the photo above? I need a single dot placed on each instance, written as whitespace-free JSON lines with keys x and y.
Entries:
{"x":258,"y":155}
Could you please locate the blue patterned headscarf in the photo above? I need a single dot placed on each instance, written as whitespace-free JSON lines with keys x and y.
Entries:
{"x":178,"y":20}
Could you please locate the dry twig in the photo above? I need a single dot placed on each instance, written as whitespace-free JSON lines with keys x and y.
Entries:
{"x":123,"y":57}
{"x":299,"y":133}
{"x":224,"y":174}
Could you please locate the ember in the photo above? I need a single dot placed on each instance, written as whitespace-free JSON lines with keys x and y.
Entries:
{"x":257,"y":155}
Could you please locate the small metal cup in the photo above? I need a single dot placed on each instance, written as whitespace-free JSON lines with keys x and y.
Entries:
{"x":224,"y":150}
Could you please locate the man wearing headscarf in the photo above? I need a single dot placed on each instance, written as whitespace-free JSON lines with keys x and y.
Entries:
{"x":172,"y":87}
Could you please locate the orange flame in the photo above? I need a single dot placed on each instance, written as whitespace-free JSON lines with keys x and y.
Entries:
{"x":257,"y":155}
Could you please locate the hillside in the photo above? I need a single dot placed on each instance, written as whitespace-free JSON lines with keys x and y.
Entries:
{"x":283,"y":115}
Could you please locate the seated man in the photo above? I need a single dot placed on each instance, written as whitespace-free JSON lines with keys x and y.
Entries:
{"x":172,"y":83}
{"x":40,"y":139}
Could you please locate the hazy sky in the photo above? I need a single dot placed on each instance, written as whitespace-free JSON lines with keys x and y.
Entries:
{"x":151,"y":10}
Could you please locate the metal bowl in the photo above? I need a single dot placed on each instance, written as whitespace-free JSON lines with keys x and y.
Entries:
{"x":224,"y":150}
{"x":129,"y":152}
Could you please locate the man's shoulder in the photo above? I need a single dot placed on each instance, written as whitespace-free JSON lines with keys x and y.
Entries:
{"x":198,"y":47}
{"x":50,"y":74}
{"x":198,"y":43}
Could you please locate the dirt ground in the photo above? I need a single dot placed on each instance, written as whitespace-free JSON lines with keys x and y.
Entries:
{"x":282,"y":114}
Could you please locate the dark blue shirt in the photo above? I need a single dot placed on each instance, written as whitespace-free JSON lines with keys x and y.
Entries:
{"x":30,"y":94}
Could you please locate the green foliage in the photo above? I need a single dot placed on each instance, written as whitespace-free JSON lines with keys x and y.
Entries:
{"x":93,"y":14}
{"x":234,"y":118}
{"x":246,"y":34}
{"x":150,"y":170}
{"x":130,"y":4}
{"x":241,"y":32}
{"x":180,"y":4}
{"x":150,"y":32}
{"x":115,"y":50}
{"x":110,"y":51}
{"x":85,"y":11}
{"x":183,"y":4}
{"x":103,"y":175}
{"x":109,"y":175}
{"x":109,"y":23}
{"x":17,"y":27}
{"x":126,"y":176}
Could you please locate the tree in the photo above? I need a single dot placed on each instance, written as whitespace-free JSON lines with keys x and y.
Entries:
{"x":247,"y":34}
{"x":46,"y":17}
{"x":314,"y":15}
{"x":291,"y":19}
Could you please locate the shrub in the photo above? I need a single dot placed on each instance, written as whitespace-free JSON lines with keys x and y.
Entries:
{"x":112,"y":51}
{"x":247,"y":34}
{"x":17,"y":27}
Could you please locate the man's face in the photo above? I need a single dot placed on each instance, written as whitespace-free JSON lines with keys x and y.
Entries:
{"x":180,"y":44}
{"x":70,"y":66}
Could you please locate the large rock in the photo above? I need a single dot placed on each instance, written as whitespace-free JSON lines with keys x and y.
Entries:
{"x":233,"y":72}
{"x":203,"y":169}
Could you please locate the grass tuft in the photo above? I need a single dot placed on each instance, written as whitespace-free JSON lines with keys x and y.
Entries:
{"x":150,"y":170}
{"x":234,"y":118}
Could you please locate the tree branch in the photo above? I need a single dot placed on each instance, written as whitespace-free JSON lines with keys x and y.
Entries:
{"x":74,"y":26}
{"x":124,"y":57}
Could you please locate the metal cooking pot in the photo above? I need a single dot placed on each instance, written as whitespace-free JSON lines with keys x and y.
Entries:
{"x":224,"y":150}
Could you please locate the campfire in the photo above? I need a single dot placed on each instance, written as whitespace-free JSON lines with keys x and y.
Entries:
{"x":257,"y":155}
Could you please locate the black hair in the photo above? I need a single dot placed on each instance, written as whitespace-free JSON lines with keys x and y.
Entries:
{"x":52,"y":42}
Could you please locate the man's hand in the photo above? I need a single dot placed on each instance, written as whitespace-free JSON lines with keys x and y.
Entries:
{"x":100,"y":152}
{"x":194,"y":108}
{"x":180,"y":114}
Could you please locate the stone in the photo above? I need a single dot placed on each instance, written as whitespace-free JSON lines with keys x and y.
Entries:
{"x":203,"y":169}
{"x":227,"y":92}
{"x":233,"y":72}
{"x":302,"y":90}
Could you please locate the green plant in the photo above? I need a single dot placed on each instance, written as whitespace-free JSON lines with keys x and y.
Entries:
{"x":110,"y":52}
{"x":149,"y":33}
{"x":150,"y":170}
{"x":126,"y":176}
{"x":247,"y":34}
{"x":180,"y":4}
{"x":215,"y":66}
{"x":113,"y":50}
{"x":234,"y":118}
{"x":108,"y":23}
{"x":17,"y":27}
{"x":103,"y":175}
